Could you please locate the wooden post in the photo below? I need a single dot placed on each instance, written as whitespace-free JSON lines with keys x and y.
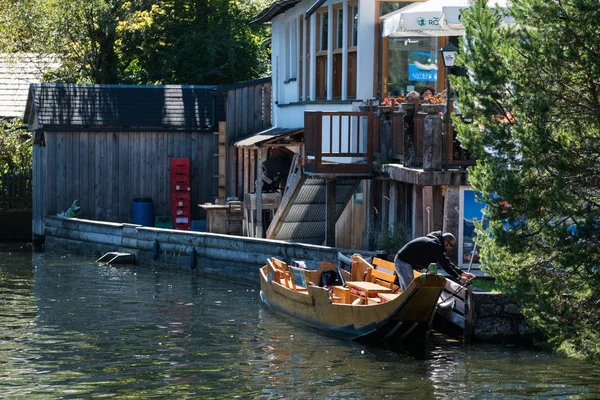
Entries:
{"x":417,"y":228}
{"x":261,"y":155}
{"x":432,"y":143}
{"x":438,"y":208}
{"x":330,"y":213}
{"x":469,"y":316}
{"x":369,"y":199}
{"x":246,"y":185}
{"x":385,"y":206}
{"x":222,"y":189}
{"x":386,"y":135}
{"x":452,"y":218}
{"x":393,"y":209}
{"x":427,"y":209}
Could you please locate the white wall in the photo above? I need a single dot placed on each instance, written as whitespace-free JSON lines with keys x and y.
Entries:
{"x":284,"y":94}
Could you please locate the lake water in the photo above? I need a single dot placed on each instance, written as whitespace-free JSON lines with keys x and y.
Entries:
{"x":72,"y":329}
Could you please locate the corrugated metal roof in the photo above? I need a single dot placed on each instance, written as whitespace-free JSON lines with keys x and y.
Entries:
{"x":17,"y":71}
{"x":305,"y":213}
{"x":268,"y":136}
{"x":276,"y":8}
{"x":68,"y":106}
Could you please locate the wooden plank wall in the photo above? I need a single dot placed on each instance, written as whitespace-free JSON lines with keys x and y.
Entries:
{"x":40,"y":185}
{"x":248,"y":112}
{"x":106,"y":170}
{"x":350,"y":227}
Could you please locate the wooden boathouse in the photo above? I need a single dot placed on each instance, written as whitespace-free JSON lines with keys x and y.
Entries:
{"x":105,"y":145}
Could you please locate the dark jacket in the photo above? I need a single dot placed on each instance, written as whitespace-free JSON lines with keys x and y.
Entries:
{"x":422,"y":251}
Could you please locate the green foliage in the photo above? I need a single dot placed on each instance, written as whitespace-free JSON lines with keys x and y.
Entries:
{"x":139,"y":41}
{"x":392,"y":241}
{"x":15,"y":147}
{"x":71,"y":212}
{"x":534,"y":94}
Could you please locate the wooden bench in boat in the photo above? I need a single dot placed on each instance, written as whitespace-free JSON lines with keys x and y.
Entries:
{"x":291,"y":277}
{"x":385,"y":297}
{"x":367,"y":290}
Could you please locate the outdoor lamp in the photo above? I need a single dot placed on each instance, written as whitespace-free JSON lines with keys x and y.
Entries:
{"x":449,"y":54}
{"x":448,"y":57}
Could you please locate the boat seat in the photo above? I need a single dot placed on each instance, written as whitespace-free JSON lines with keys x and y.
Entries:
{"x":383,"y":278}
{"x":361,"y":269}
{"x":385,"y":297}
{"x":340,"y":294}
{"x":384,"y":265}
{"x":281,"y":272}
{"x":298,"y":278}
{"x":367,"y":290}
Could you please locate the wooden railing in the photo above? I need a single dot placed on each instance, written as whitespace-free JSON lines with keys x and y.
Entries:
{"x":345,"y":142}
{"x":401,"y":141}
{"x":339,"y":142}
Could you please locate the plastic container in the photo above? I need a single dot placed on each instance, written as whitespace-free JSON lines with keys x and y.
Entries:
{"x":142,"y":211}
{"x":163,"y":221}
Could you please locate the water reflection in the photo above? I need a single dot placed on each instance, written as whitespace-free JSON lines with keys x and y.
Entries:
{"x":73,"y":329}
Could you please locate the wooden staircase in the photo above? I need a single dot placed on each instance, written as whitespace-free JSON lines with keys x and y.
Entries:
{"x":302,"y":214}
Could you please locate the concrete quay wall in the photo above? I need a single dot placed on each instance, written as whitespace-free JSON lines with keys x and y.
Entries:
{"x":222,"y":255}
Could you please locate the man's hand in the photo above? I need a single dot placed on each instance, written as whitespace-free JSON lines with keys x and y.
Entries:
{"x":466,"y":277}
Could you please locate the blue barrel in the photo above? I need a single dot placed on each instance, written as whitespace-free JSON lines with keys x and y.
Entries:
{"x":142,"y":212}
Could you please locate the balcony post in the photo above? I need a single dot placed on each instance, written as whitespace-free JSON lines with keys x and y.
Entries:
{"x":410,"y":110}
{"x":385,"y":115}
{"x":432,"y":141}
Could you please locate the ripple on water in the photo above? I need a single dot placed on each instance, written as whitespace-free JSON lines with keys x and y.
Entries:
{"x":73,"y":329}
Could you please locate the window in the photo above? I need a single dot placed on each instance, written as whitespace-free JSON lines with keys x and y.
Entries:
{"x":322,"y":46}
{"x":352,"y":43}
{"x":412,"y":64}
{"x":339,"y":29}
{"x":337,"y":52}
{"x":354,"y":25}
{"x":323,"y":31}
{"x":306,"y":61}
{"x":301,"y":87}
{"x":291,"y":51}
{"x":470,"y":211}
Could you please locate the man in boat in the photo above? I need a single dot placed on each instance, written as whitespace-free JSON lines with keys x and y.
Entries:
{"x":422,"y":251}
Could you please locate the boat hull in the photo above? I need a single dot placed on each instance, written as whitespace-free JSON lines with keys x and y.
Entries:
{"x":406,"y":316}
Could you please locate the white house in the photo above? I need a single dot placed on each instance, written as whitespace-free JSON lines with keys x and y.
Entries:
{"x":333,"y":56}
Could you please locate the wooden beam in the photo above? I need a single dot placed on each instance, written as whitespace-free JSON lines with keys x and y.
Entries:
{"x":261,"y":156}
{"x":330,"y":213}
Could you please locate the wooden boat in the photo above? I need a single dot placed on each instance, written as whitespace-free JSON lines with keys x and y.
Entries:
{"x":369,"y":307}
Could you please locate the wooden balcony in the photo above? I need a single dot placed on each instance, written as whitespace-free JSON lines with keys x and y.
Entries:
{"x":401,"y":138}
{"x":347,"y":143}
{"x":339,"y":142}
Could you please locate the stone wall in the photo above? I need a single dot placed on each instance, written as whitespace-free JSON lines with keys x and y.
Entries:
{"x":498,"y":319}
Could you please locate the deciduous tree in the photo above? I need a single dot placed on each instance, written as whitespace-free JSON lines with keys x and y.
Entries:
{"x":139,"y":41}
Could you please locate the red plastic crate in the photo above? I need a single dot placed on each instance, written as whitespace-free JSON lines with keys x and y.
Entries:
{"x":180,"y":184}
{"x":177,"y":163}
{"x":181,"y":212}
{"x":180,"y":173}
{"x":182,"y":227}
{"x":179,"y":199}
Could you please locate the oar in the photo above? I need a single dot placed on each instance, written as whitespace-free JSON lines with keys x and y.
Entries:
{"x":472,"y":257}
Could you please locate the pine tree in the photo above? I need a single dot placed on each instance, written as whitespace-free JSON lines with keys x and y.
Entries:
{"x":533,"y":91}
